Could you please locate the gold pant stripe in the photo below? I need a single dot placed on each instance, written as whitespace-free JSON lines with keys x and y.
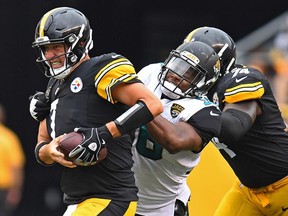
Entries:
{"x":131,"y":209}
{"x":92,"y":206}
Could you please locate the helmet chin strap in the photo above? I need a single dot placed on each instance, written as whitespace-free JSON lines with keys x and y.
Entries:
{"x":62,"y":74}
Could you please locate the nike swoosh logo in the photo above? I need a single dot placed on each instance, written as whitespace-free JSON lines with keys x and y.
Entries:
{"x":284,"y":209}
{"x":213,"y":114}
{"x":103,"y":142}
{"x":239,"y":80}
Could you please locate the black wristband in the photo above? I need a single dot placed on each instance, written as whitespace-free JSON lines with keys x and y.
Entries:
{"x":37,"y":149}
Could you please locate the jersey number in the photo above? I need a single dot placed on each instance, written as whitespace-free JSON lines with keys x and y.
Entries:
{"x":52,"y":117}
{"x":147,"y":146}
{"x":222,"y":146}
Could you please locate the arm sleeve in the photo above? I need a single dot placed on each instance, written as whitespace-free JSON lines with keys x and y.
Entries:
{"x":136,"y":116}
{"x":235,"y":124}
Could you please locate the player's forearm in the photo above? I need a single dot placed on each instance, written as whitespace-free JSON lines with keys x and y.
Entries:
{"x":174,"y":137}
{"x":43,"y":140}
{"x":41,"y":154}
{"x":164,"y":132}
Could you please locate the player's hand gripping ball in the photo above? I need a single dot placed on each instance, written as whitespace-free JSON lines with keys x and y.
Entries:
{"x":70,"y":141}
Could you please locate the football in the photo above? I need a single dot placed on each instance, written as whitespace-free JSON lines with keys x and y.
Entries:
{"x":70,"y":140}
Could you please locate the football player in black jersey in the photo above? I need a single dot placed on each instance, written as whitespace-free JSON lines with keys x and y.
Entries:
{"x":100,"y":97}
{"x":252,"y":138}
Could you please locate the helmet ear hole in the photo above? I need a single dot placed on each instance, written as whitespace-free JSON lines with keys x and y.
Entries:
{"x":72,"y":38}
{"x":73,"y":58}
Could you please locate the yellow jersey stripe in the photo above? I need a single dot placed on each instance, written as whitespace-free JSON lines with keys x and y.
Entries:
{"x":248,"y":85}
{"x":126,"y":78}
{"x":118,"y":71}
{"x":244,"y":92}
{"x":110,"y":66}
{"x":108,"y":90}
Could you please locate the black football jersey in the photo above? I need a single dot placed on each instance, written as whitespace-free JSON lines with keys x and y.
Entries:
{"x":260,"y":157}
{"x":84,"y":99}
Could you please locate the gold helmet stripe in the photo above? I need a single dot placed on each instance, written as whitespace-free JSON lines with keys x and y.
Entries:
{"x":190,"y":35}
{"x":43,"y":22}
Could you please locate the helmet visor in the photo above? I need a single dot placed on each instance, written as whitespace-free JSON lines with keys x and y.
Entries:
{"x":184,"y":70}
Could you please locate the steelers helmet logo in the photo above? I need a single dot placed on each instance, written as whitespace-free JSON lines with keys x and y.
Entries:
{"x":76,"y":85}
{"x":176,"y":109}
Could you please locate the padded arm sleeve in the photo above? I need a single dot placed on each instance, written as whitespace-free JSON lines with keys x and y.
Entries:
{"x":235,"y":124}
{"x":136,"y":116}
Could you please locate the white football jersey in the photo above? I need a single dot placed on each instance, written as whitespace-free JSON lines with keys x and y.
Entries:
{"x":161,"y":176}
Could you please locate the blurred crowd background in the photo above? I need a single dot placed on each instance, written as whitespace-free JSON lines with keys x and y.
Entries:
{"x":266,"y":48}
{"x":144,"y":32}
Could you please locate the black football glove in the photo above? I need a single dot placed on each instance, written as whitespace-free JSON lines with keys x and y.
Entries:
{"x":39,"y":106}
{"x":87,"y":152}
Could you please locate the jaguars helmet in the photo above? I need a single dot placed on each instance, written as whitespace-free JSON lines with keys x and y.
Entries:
{"x":194,"y":62}
{"x":220,"y":41}
{"x":63,"y":25}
